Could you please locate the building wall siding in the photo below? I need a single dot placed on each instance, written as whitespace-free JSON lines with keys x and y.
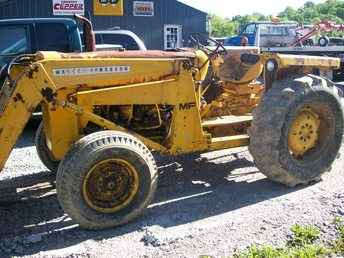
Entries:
{"x":150,"y":29}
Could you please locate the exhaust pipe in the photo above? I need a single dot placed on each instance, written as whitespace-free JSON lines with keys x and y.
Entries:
{"x":89,"y":36}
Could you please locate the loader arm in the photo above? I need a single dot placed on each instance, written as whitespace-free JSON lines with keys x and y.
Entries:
{"x":19,"y":98}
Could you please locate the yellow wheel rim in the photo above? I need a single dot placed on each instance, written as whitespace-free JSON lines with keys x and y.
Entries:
{"x":304,"y":132}
{"x":110,"y":185}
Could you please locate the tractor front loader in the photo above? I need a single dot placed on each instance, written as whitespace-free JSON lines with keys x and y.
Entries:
{"x":104,"y":112}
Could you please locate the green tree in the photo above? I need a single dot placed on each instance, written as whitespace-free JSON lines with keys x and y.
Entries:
{"x":221,"y":27}
{"x":309,"y":13}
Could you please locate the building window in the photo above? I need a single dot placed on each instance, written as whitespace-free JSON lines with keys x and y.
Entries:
{"x":173,"y":36}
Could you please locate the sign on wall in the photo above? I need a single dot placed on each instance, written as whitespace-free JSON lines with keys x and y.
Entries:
{"x":68,"y":7}
{"x":143,"y":8}
{"x":108,"y":7}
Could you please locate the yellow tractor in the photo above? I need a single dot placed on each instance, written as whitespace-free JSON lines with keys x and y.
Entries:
{"x":105,"y":112}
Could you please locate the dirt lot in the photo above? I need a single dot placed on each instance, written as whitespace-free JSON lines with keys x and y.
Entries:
{"x":211,"y":206}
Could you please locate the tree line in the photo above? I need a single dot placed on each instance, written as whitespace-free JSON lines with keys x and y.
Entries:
{"x":309,"y":13}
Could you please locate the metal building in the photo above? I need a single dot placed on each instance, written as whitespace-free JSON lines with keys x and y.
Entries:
{"x":162,"y":24}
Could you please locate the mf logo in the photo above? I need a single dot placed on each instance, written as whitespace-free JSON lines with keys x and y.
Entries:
{"x":108,"y":1}
{"x":187,"y":106}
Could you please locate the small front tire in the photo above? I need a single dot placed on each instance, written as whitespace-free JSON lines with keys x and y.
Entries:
{"x":107,"y":179}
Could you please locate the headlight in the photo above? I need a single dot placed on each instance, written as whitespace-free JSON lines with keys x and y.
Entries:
{"x":270,"y":66}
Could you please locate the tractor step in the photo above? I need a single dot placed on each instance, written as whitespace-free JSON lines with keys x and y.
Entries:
{"x":230,"y":141}
{"x":226,"y":120}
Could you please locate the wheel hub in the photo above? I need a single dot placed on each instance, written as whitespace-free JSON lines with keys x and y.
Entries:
{"x":304,"y":132}
{"x":110,"y":185}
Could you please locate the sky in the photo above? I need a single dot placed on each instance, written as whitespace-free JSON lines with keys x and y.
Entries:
{"x":230,"y":8}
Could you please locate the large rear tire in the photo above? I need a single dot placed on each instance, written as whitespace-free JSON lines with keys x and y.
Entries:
{"x":107,"y":179}
{"x":297,"y":130}
{"x":43,"y":151}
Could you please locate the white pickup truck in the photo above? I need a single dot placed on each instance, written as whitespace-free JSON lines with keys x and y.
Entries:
{"x":116,"y":39}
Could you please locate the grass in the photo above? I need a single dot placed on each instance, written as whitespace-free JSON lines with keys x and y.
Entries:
{"x":303,"y":243}
{"x":338,"y":245}
{"x":303,"y":235}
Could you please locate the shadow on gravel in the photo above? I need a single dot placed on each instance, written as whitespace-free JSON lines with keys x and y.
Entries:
{"x":189,"y":190}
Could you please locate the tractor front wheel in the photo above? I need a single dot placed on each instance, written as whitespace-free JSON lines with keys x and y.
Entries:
{"x":297,"y":130}
{"x":107,"y":179}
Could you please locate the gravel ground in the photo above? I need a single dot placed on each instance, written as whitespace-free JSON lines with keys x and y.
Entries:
{"x":209,"y":206}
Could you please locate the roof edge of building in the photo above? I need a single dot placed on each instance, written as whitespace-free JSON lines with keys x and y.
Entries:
{"x":191,"y":7}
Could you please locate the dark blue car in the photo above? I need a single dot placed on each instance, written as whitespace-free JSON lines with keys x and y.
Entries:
{"x":27,"y":36}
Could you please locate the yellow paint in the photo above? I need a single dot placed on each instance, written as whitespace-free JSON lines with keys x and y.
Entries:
{"x":303,"y":61}
{"x":160,"y":82}
{"x":108,"y":7}
{"x":17,"y":105}
{"x":304,"y":132}
{"x":202,"y":65}
{"x":106,"y":188}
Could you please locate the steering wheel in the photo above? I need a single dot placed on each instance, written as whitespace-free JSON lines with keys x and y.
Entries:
{"x":218,"y":45}
{"x":210,"y":52}
{"x":195,"y":38}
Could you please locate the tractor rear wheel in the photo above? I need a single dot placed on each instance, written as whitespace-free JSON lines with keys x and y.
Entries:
{"x":107,"y":179}
{"x":297,"y":130}
{"x":43,"y":151}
